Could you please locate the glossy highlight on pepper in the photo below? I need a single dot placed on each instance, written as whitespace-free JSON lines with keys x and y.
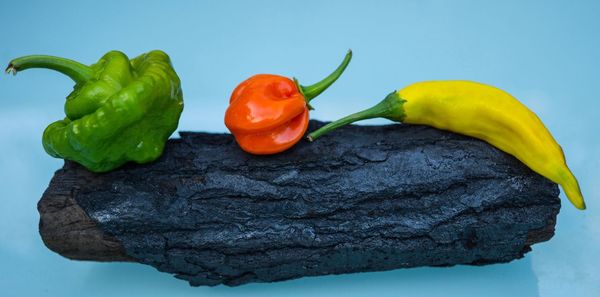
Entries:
{"x":120,"y":110}
{"x":480,"y":111}
{"x":268,"y":113}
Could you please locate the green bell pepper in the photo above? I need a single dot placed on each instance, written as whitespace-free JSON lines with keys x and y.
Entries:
{"x":120,"y":110}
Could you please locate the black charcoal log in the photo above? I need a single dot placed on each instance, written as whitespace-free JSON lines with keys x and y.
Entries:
{"x":364,"y":198}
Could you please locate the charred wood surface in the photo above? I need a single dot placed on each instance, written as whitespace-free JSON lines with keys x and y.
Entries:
{"x":363,"y":198}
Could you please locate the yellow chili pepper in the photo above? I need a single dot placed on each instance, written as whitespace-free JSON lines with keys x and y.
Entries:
{"x":480,"y":111}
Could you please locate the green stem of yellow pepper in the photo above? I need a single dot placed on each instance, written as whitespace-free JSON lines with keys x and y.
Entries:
{"x":76,"y":71}
{"x":389,"y":108}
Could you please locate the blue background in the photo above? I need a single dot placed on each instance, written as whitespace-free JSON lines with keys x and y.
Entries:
{"x":547,"y":53}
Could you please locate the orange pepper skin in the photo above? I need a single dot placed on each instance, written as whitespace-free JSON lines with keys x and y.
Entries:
{"x":267,"y":114}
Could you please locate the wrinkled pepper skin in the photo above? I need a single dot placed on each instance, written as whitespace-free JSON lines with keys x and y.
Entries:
{"x":480,"y":111}
{"x":120,"y":110}
{"x":269,"y":113}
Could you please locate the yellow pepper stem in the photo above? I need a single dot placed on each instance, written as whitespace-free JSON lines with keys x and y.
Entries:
{"x":390,"y":108}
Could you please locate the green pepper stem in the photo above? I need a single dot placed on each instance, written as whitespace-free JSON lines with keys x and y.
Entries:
{"x":390,"y":108}
{"x":312,"y":91}
{"x":73,"y":69}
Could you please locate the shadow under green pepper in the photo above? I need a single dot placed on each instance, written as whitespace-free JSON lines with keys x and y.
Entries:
{"x":120,"y":110}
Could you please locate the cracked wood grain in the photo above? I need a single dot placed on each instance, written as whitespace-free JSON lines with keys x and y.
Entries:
{"x":361,"y":199}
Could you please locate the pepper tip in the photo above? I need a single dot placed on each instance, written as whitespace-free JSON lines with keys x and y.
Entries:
{"x":309,"y":138}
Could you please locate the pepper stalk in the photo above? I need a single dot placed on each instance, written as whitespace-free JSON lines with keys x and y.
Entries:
{"x":314,"y":90}
{"x":78,"y":72}
{"x":390,"y":108}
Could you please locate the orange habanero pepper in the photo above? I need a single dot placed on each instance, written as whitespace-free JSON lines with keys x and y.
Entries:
{"x":268,"y":113}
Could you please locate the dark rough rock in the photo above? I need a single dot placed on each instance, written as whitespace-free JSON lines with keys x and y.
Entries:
{"x":359,"y":199}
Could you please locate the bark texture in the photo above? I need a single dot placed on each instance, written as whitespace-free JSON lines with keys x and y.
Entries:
{"x":359,"y":199}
